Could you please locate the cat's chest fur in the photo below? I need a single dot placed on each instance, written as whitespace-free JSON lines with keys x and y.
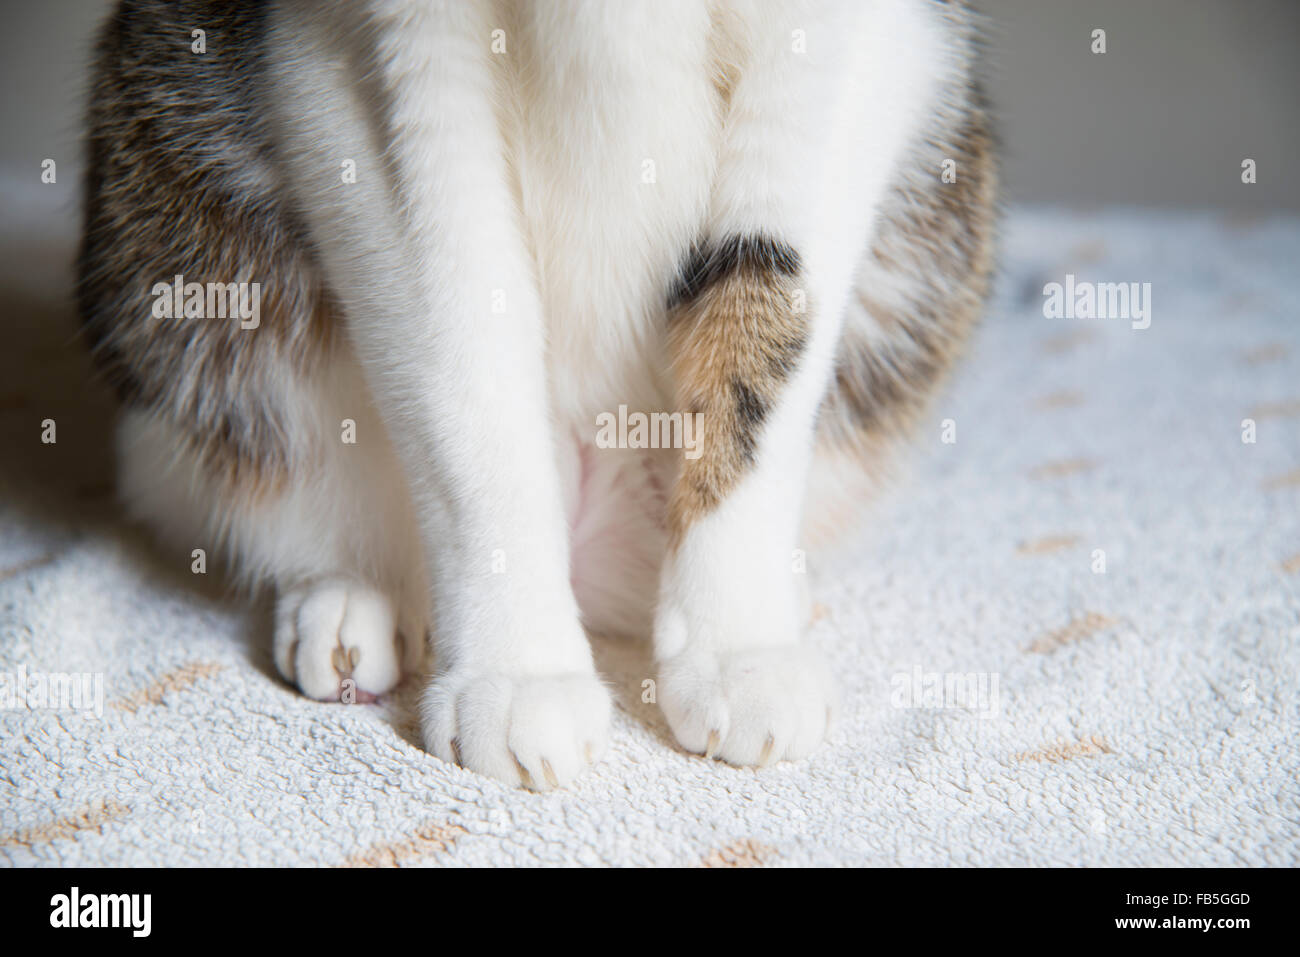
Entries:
{"x":612,"y":129}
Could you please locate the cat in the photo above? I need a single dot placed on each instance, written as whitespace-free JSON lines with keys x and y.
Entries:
{"x":479,"y":229}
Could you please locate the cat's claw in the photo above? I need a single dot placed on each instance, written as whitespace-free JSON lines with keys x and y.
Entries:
{"x":333,"y":631}
{"x":538,"y":731}
{"x":715,"y":739}
{"x":749,"y":706}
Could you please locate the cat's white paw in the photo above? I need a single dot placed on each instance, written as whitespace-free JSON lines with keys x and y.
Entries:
{"x":329,"y":631}
{"x":537,"y":731}
{"x":750,"y":706}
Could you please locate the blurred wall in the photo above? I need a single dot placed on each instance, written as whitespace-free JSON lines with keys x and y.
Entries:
{"x":1185,"y":91}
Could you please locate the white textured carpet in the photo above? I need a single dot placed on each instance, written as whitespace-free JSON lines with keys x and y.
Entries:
{"x":1144,"y":716}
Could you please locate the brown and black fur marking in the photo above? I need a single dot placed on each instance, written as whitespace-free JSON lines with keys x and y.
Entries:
{"x":920,"y":290}
{"x":181,"y":181}
{"x":737,"y":331}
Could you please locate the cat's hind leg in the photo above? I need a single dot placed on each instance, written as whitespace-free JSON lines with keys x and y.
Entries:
{"x":331,"y":533}
{"x":232,"y":438}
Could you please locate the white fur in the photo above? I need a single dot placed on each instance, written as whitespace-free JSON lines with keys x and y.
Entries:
{"x":521,"y":179}
{"x":329,"y":631}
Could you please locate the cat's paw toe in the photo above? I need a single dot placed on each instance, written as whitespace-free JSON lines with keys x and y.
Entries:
{"x":749,"y":706}
{"x":540,"y":732}
{"x":333,"y":632}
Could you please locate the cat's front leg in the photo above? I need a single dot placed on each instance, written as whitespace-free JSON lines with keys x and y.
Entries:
{"x":819,"y":108}
{"x":736,"y":681}
{"x":424,"y":250}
